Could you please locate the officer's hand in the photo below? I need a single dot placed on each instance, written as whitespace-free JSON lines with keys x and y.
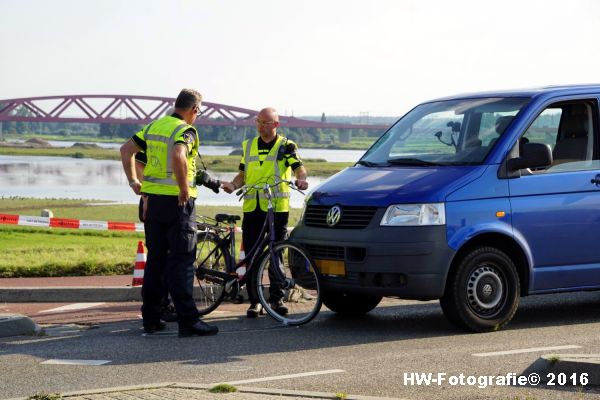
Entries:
{"x":301,"y":184}
{"x":228,"y":187}
{"x":184,"y":196}
{"x":136,"y":186}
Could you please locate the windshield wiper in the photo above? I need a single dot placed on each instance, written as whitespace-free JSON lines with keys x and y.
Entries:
{"x":370,"y":163}
{"x":411,"y":161}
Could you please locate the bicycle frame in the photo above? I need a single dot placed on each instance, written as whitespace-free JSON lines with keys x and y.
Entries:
{"x":254,"y":253}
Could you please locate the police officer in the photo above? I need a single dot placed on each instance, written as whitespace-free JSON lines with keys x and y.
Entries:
{"x":171,"y":147}
{"x":265,"y":156}
{"x":168,"y":313}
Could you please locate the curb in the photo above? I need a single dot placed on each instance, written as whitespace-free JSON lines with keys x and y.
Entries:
{"x":569,"y":366}
{"x":16,"y":324}
{"x":80,"y":294}
{"x":204,"y":387}
{"x":69,"y":294}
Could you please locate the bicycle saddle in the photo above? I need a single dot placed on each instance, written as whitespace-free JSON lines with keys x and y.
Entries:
{"x":229,"y":218}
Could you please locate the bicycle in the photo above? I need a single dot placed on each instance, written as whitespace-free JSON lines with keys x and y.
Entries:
{"x":285,"y":271}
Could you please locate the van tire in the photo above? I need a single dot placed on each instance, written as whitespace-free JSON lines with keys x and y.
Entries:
{"x":482,"y":292}
{"x":350,"y":304}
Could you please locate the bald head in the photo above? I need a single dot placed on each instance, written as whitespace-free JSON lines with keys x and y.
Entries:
{"x":267,"y":122}
{"x":268,"y":114}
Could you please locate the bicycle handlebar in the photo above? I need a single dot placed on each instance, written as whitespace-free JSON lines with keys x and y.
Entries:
{"x":267,"y":187}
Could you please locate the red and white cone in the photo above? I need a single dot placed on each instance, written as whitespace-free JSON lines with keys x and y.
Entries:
{"x":241,"y":270}
{"x":140,"y":264}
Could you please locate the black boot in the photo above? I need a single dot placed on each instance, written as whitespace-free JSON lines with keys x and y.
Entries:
{"x":153,"y":327}
{"x":200,"y":328}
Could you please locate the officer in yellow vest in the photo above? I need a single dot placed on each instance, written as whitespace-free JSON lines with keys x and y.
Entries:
{"x":168,"y":313}
{"x":264,"y":156}
{"x":171,"y":147}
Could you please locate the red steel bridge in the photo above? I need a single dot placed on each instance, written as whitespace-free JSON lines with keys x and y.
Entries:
{"x":125,"y":109}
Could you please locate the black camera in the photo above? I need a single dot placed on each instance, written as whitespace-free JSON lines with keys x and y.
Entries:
{"x":204,"y":179}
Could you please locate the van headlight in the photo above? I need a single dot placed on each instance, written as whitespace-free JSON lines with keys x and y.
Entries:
{"x":414,"y":215}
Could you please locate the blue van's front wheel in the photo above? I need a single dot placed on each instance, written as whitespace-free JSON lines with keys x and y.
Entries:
{"x":482,"y":291}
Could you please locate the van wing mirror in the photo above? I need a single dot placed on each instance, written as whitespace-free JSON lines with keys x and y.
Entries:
{"x":534,"y":155}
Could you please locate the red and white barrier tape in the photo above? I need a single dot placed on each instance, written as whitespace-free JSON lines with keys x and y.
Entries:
{"x":70,"y":223}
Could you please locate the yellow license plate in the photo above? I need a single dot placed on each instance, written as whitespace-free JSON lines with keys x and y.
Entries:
{"x":331,"y":267}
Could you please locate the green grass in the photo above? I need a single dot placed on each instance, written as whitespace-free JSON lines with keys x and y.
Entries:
{"x":70,"y":138}
{"x":29,"y":251}
{"x":36,"y":251}
{"x":99,"y":154}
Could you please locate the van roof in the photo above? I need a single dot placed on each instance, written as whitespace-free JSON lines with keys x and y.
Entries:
{"x":559,"y":90}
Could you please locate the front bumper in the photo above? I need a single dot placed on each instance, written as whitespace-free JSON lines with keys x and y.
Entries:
{"x":405,"y":262}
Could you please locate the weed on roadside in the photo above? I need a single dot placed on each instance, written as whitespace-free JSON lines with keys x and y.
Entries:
{"x":223,"y":388}
{"x":45,"y":396}
{"x":553,"y":359}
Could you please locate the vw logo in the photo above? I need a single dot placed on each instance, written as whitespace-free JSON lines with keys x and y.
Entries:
{"x":334,"y":215}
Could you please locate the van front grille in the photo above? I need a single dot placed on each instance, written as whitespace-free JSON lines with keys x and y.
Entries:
{"x":352,"y":217}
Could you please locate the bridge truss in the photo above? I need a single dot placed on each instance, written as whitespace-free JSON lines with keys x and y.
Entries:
{"x":125,"y":109}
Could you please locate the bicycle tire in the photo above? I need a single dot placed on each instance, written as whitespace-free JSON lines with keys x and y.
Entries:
{"x":300,"y":293}
{"x":212,"y":289}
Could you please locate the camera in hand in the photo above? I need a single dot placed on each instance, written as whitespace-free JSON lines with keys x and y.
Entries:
{"x":204,"y":179}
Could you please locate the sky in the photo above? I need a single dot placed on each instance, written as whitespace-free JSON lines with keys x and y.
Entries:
{"x":340,"y":57}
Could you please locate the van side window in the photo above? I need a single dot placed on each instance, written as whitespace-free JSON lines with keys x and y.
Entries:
{"x":569,"y":130}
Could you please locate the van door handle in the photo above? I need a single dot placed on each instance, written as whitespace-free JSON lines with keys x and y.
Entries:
{"x":596,"y":180}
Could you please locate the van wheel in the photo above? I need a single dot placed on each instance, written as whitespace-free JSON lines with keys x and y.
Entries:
{"x":350,"y":304}
{"x":482,"y":293}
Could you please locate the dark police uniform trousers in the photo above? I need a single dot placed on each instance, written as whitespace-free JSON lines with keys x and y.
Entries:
{"x":171,"y":240}
{"x":251,"y":227}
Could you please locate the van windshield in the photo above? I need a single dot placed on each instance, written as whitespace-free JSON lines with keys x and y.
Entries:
{"x":453,"y":132}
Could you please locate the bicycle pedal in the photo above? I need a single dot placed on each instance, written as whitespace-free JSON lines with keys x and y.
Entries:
{"x":239,"y":299}
{"x":232,"y":288}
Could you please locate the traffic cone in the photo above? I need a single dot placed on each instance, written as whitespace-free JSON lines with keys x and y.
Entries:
{"x":140,"y":264}
{"x":241,"y":270}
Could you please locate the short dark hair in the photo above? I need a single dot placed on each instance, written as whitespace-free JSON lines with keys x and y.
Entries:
{"x":188,"y":98}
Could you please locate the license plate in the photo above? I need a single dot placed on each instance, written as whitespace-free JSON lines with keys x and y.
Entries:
{"x":331,"y":267}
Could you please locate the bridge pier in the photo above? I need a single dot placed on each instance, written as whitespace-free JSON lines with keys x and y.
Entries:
{"x":1,"y":133}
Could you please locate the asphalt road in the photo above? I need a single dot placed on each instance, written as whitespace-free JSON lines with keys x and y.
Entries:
{"x":371,"y":355}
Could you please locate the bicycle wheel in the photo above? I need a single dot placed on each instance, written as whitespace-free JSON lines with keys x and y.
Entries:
{"x":291,"y":293}
{"x":210,"y":256}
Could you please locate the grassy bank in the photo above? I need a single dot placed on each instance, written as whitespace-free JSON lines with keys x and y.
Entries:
{"x":29,"y":251}
{"x":315,"y":167}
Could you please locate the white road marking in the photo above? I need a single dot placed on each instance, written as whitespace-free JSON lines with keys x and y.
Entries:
{"x":72,"y":307}
{"x":46,"y":339}
{"x":530,"y":350}
{"x":75,"y":362}
{"x":279,"y":377}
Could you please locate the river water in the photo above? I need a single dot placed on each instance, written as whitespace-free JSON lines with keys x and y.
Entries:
{"x":325,"y":154}
{"x":64,"y":177}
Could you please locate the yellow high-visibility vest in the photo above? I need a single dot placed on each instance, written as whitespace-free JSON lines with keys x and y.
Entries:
{"x":255,"y":172}
{"x":160,"y":137}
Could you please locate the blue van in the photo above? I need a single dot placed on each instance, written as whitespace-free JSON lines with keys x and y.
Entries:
{"x":474,"y":200}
